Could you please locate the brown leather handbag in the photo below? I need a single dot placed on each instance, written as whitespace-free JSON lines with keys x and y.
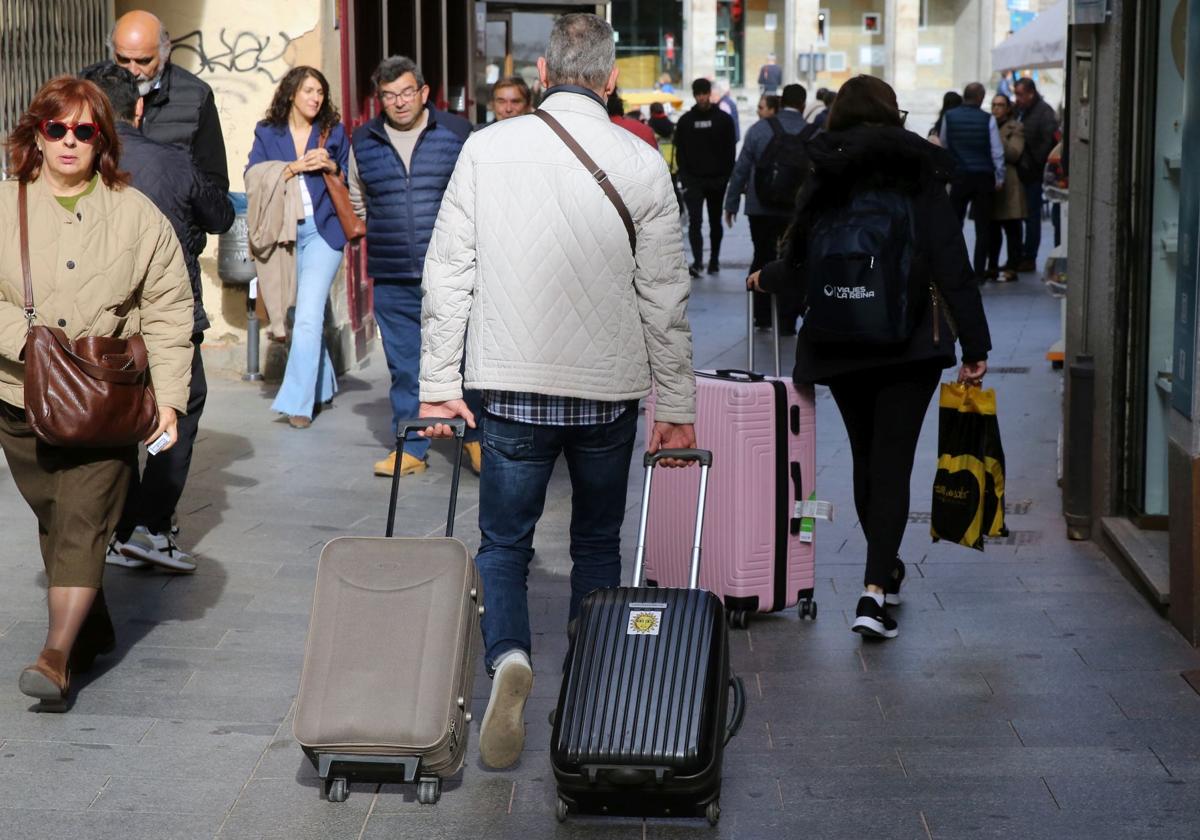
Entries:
{"x":354,"y":227}
{"x":89,"y":392}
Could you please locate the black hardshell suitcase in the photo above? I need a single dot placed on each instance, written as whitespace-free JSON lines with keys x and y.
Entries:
{"x":644,"y":714}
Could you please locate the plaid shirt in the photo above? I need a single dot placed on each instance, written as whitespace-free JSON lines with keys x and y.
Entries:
{"x":547,"y":410}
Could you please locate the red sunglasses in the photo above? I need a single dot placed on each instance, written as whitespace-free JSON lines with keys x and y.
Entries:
{"x":85,"y":132}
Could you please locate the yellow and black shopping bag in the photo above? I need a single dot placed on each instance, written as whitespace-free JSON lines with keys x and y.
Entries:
{"x":968,"y":489}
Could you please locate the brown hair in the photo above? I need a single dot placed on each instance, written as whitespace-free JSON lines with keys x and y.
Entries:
{"x":65,"y":96}
{"x":281,"y":103}
{"x":863,"y":100}
{"x":513,"y":82}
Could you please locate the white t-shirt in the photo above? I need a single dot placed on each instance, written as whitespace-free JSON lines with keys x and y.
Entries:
{"x":305,"y":196}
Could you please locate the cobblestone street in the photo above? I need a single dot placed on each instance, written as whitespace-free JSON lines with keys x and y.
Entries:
{"x":1032,"y":693}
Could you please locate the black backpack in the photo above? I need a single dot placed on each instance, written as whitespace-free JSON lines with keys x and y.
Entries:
{"x":863,"y":285}
{"x":783,"y":168}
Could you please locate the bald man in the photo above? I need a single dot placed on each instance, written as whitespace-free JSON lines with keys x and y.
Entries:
{"x":178,"y":108}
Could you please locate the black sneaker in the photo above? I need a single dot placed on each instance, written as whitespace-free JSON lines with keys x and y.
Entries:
{"x":872,"y":620}
{"x":714,"y":267}
{"x":891,"y":592}
{"x":694,"y":270}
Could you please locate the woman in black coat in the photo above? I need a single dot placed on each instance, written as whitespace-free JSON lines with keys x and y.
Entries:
{"x":883,"y":390}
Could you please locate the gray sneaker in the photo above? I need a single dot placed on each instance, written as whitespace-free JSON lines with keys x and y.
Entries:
{"x":502,"y":733}
{"x":114,"y":557}
{"x":157,"y":549}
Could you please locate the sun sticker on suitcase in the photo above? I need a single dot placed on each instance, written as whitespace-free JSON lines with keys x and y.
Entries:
{"x":644,"y":619}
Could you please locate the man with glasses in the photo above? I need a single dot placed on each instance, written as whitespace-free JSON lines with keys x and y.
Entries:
{"x":400,"y":164}
{"x":178,"y":108}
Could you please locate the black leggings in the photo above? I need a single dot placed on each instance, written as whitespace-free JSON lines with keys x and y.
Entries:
{"x":883,"y":410}
{"x":765,"y":232}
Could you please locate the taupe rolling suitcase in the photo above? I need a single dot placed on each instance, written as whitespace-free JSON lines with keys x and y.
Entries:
{"x":391,"y":654}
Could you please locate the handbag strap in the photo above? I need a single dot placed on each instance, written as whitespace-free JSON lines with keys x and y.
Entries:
{"x":23,"y":213}
{"x":596,"y":172}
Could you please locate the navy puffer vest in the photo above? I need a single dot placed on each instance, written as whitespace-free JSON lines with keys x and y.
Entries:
{"x":970,"y":139}
{"x":403,"y":206}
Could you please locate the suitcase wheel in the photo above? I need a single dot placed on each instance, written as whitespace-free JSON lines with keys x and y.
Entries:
{"x":429,"y":790}
{"x":561,"y":809}
{"x":337,"y":789}
{"x":713,"y":812}
{"x":808,"y":608}
{"x":739,"y":619}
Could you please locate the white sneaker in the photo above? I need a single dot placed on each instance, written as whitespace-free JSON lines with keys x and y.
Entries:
{"x":158,"y":549}
{"x":114,"y":557}
{"x":502,"y":733}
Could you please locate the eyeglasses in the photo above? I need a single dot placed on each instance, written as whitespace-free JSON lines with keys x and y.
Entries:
{"x":85,"y":132}
{"x":407,"y":95}
{"x":903,"y":115}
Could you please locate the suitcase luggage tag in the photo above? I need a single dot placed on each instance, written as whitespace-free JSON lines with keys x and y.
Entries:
{"x":806,"y":513}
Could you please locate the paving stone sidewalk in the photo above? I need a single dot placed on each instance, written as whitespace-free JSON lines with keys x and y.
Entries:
{"x":1032,"y":692}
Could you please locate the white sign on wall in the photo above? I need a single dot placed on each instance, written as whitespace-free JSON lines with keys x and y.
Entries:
{"x":871,"y":56}
{"x":771,"y":22}
{"x":929,"y":56}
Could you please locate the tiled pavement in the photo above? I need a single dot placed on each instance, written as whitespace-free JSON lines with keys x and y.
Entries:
{"x":1032,"y":692}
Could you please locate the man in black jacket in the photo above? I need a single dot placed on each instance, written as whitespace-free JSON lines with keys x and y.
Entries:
{"x":190,"y":201}
{"x":1040,"y":123}
{"x":704,"y":152}
{"x":179,"y":109}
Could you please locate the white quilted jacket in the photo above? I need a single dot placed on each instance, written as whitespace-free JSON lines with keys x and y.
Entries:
{"x":531,"y":264}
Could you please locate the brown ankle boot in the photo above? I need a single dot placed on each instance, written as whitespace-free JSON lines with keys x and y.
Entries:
{"x":48,"y":679}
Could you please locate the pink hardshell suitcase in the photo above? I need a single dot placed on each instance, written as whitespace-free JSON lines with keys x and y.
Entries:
{"x":759,"y":541}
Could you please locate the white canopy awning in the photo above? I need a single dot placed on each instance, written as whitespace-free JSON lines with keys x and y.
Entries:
{"x":1041,"y":43}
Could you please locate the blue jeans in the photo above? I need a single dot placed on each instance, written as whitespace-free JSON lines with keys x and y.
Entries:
{"x":398,"y":314}
{"x":518,"y":459}
{"x":309,"y":378}
{"x":1033,"y":221}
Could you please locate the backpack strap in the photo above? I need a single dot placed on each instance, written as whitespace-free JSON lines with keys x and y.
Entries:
{"x":596,"y":172}
{"x":776,"y":126}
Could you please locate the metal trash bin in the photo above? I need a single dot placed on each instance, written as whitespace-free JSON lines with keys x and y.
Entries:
{"x":235,"y":267}
{"x":234,"y":264}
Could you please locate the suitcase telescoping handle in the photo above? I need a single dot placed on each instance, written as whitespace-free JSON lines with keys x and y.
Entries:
{"x":420,"y":424}
{"x":704,"y":458}
{"x":750,"y":330}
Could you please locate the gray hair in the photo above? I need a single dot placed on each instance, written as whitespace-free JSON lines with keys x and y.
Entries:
{"x":392,"y":68}
{"x":581,"y":51}
{"x":164,"y":41}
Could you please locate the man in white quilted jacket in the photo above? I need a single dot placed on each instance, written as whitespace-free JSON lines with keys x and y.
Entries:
{"x":569,"y":316}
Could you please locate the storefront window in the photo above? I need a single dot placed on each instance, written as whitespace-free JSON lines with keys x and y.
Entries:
{"x":1155,"y":354}
{"x":649,"y":43}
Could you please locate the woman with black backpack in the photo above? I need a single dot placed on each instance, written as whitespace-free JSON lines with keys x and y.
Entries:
{"x":875,"y":258}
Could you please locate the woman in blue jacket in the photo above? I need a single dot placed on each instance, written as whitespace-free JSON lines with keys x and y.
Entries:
{"x":303,"y":128}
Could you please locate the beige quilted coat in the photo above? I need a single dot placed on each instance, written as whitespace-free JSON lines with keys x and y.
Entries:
{"x":530,"y":263}
{"x":112,"y":268}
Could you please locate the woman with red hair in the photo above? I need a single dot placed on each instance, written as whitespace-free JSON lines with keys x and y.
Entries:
{"x":102,"y":261}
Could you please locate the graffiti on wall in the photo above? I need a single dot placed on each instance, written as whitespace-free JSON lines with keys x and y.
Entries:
{"x":237,"y":52}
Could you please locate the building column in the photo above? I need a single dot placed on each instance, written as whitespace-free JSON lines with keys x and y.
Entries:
{"x":699,"y":41}
{"x":900,"y":21}
{"x":799,"y":36}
